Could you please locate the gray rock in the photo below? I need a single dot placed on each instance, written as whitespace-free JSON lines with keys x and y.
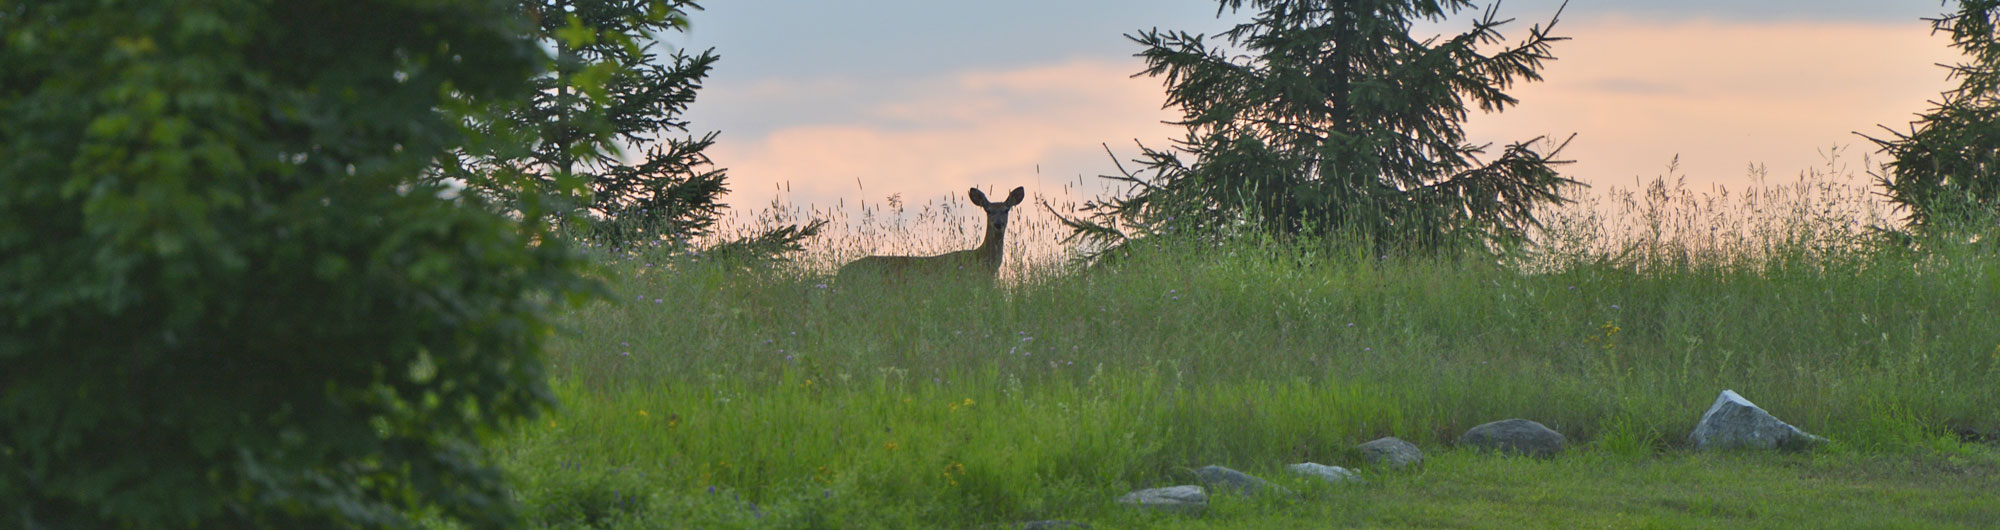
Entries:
{"x":1331,"y":474}
{"x":1735,"y":422}
{"x":1225,"y":479}
{"x":1391,"y":452}
{"x":1514,"y":436}
{"x":1053,"y":525}
{"x":1177,"y":499}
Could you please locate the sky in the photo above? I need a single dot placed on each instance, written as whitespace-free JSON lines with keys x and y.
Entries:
{"x":825,"y":102}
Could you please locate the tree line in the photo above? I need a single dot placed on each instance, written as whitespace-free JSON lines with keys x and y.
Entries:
{"x":284,"y":264}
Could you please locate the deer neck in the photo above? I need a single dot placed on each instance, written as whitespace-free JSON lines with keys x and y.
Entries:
{"x":989,"y":251}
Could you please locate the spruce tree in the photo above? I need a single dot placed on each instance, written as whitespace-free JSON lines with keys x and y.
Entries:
{"x":1328,"y":116}
{"x":603,"y":133}
{"x":1948,"y":165}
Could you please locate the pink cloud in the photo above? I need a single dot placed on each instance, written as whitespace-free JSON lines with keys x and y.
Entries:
{"x":940,"y":135}
{"x":1721,"y":95}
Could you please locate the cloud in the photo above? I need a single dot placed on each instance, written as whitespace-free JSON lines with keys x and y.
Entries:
{"x":1720,"y":95}
{"x":927,"y":137}
{"x":1634,"y":86}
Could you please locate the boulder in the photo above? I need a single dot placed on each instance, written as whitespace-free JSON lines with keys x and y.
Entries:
{"x":1177,"y":499}
{"x":1514,"y":436}
{"x":1331,"y":474}
{"x":1391,"y":452}
{"x":1225,"y":479}
{"x":1734,"y":422}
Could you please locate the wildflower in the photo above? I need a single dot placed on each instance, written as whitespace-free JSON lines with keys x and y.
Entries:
{"x":952,"y":471}
{"x":643,"y":414}
{"x":889,"y":445}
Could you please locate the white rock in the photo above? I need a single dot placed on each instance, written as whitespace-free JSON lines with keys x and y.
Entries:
{"x":1331,"y":474}
{"x":1734,"y":422}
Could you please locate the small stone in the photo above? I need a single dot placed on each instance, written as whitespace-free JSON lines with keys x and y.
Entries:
{"x":1514,"y":436}
{"x":1053,"y":525}
{"x":1734,"y":422}
{"x":1176,"y":499}
{"x":1391,"y":452}
{"x":1331,"y":474}
{"x":1225,"y":479}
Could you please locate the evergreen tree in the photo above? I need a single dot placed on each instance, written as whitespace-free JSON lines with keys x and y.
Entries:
{"x":610,"y":96}
{"x":1327,"y":116}
{"x":1948,"y":165}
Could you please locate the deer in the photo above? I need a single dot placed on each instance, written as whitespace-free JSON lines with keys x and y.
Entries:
{"x":978,"y":263}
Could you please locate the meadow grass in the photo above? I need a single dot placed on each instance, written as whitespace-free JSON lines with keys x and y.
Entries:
{"x":722,"y":395}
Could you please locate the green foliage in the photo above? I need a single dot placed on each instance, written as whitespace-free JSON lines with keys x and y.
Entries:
{"x":224,"y":303}
{"x":569,"y":498}
{"x":609,"y":90}
{"x":1327,"y":116}
{"x":1947,"y":167}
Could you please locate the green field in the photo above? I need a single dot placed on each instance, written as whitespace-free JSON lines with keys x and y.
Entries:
{"x":724,"y":395}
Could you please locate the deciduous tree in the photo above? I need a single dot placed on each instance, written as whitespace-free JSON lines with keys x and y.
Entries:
{"x":223,"y":301}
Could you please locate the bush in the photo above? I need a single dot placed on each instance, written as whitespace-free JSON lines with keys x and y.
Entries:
{"x":225,"y":304}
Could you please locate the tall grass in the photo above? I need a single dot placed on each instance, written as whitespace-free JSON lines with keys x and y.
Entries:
{"x":714,"y":394}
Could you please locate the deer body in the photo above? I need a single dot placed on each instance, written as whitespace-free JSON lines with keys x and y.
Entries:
{"x":982,"y":262}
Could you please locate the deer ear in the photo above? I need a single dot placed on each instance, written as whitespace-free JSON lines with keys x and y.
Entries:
{"x":1015,"y":197}
{"x":978,"y":197}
